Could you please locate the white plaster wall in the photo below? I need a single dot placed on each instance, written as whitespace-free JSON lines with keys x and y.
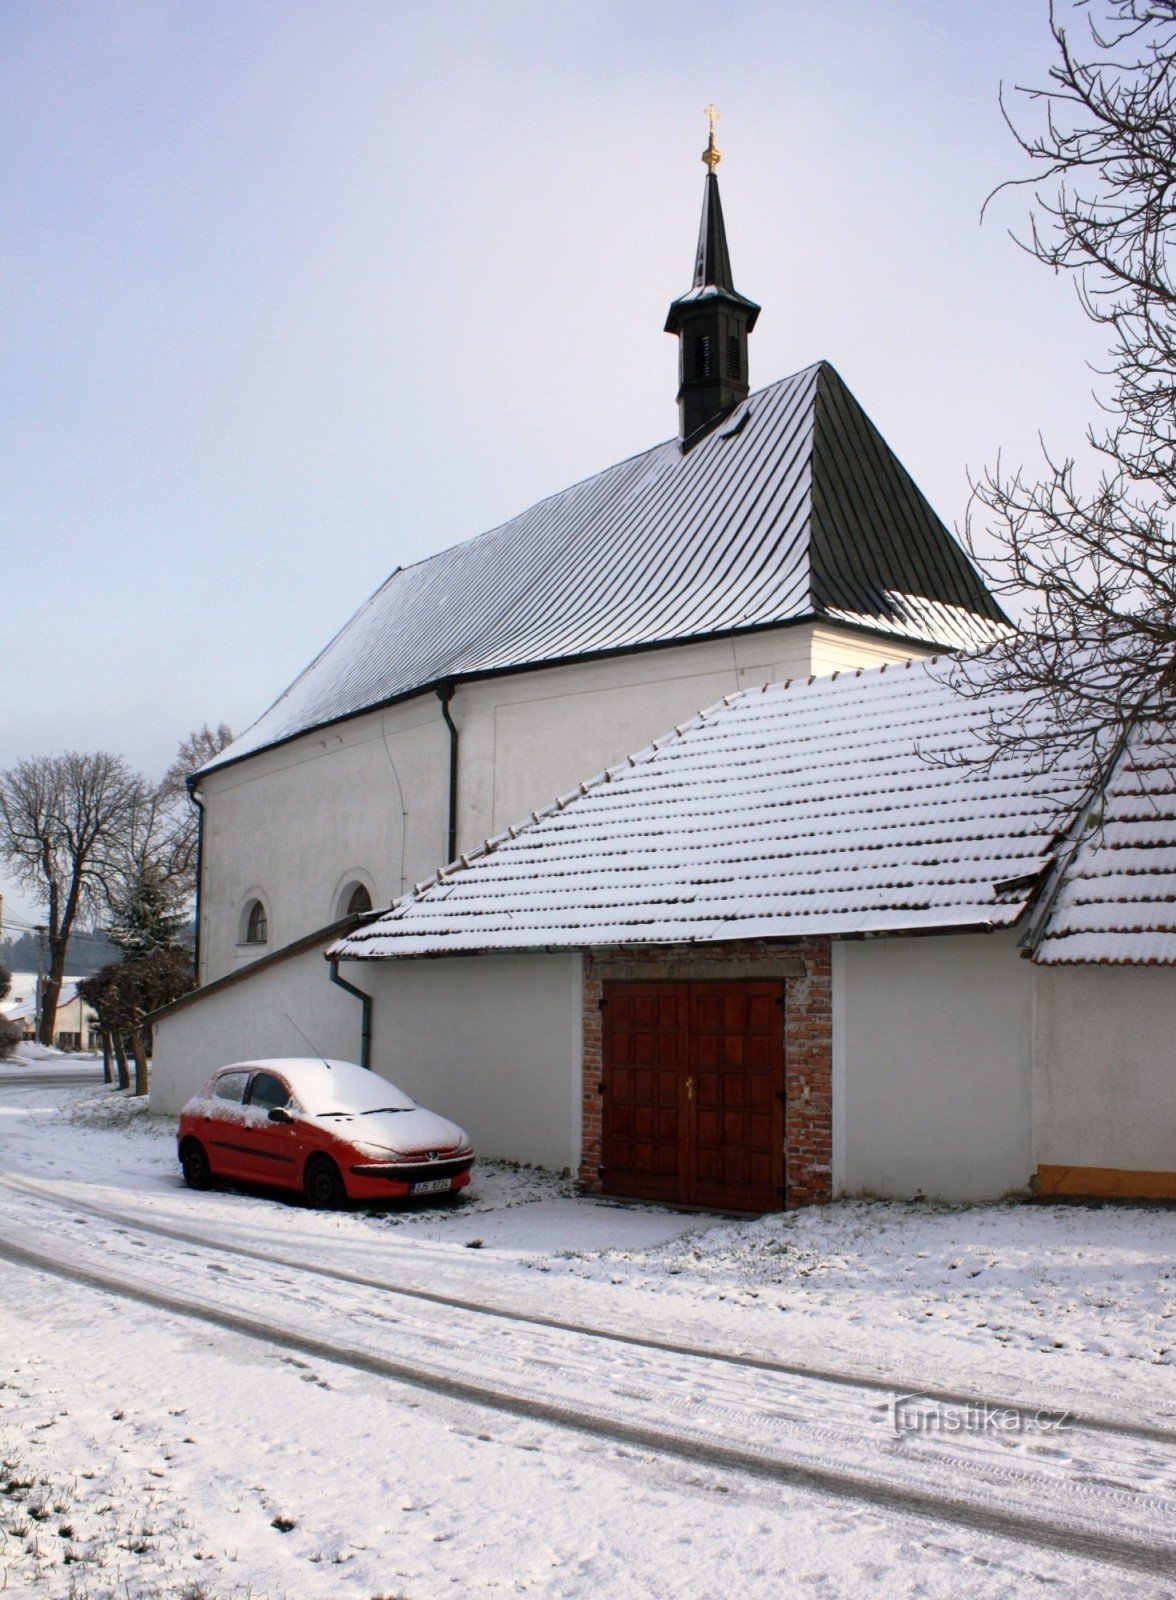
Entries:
{"x":935,"y":1066}
{"x":834,"y":650}
{"x":371,"y":796}
{"x":527,"y":738}
{"x":1105,"y":1067}
{"x":492,"y":1041}
{"x":368,"y":798}
{"x":250,"y":1020}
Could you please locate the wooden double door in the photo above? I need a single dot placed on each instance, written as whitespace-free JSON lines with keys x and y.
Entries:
{"x":693,"y":1093}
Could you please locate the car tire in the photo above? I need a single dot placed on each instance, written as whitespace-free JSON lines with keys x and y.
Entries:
{"x":322,"y":1184}
{"x":194,"y":1161}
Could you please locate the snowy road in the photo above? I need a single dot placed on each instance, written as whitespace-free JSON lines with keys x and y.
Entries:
{"x":431,"y":1320}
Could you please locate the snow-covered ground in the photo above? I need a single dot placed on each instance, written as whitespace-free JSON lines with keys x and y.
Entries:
{"x":148,"y":1453}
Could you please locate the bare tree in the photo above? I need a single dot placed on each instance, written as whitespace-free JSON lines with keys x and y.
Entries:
{"x":64,"y":826}
{"x":179,"y":815}
{"x":1097,"y":558}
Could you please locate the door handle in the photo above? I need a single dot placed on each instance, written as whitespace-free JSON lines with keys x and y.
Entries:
{"x":690,"y":1088}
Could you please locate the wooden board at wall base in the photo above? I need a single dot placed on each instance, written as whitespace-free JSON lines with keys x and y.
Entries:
{"x":1105,"y":1183}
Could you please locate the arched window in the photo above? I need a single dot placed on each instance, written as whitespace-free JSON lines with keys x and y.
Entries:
{"x":360,"y":900}
{"x":352,"y":899}
{"x":256,"y":923}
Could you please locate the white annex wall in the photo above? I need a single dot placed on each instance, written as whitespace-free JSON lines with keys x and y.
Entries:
{"x":369,"y":798}
{"x":1105,"y":1070}
{"x":933,"y":1043}
{"x":251,"y":1020}
{"x":494,"y":1042}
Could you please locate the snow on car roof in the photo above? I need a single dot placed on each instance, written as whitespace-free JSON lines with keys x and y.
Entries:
{"x":325,"y":1085}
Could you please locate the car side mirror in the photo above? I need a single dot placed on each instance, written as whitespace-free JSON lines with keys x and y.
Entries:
{"x":280,"y":1114}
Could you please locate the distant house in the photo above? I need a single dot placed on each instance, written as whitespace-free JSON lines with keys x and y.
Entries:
{"x":677,"y":985}
{"x":76,"y":1026}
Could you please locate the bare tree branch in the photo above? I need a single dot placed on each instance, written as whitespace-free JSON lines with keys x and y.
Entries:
{"x":1097,"y":560}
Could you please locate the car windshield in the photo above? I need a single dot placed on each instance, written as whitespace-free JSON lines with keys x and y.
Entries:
{"x":339,"y":1088}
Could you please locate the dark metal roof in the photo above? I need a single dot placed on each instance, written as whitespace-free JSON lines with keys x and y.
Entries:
{"x":794,"y":508}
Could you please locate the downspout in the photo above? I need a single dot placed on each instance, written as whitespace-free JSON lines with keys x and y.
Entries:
{"x":194,"y":796}
{"x":365,"y":1027}
{"x":445,"y":693}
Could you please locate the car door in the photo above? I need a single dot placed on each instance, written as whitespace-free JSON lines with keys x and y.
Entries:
{"x":221,"y":1124}
{"x":271,"y":1149}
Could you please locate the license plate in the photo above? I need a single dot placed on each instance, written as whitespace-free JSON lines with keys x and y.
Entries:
{"x":430,"y":1186}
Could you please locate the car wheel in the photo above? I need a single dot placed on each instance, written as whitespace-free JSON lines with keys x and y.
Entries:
{"x":322,"y":1184}
{"x":197,"y":1172}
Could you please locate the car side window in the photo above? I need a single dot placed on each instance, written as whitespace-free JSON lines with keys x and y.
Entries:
{"x":268,"y":1091}
{"x":230,"y":1086}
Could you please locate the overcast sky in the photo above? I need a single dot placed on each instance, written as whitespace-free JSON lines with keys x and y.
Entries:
{"x":293,"y":293}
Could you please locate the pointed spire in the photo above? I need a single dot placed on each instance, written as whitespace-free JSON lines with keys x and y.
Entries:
{"x":712,"y":320}
{"x":712,"y":259}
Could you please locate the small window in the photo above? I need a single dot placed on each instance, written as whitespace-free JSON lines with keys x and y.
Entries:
{"x":256,"y":924}
{"x":733,"y":354}
{"x":352,"y":899}
{"x":702,"y":356}
{"x":230,"y":1086}
{"x":360,"y":900}
{"x":268,"y":1091}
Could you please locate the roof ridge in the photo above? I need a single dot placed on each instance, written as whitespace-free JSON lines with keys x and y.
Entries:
{"x":591,"y":477}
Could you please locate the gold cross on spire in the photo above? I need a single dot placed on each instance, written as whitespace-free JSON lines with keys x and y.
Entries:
{"x":712,"y":155}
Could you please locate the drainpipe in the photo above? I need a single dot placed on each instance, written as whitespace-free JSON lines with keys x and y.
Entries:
{"x":445,"y":693}
{"x":194,"y":796}
{"x":365,"y":1027}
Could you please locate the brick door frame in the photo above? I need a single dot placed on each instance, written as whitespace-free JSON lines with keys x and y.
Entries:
{"x":806,"y":968}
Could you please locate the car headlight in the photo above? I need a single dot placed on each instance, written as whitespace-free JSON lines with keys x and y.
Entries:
{"x":375,"y":1152}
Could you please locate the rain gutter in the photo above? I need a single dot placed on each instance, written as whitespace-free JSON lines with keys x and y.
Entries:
{"x":445,"y":693}
{"x":365,"y":1027}
{"x":194,"y":796}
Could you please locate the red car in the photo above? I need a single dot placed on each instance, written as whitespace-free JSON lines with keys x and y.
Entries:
{"x":334,"y":1130}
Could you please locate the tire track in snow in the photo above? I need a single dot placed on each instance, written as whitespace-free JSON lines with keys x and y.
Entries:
{"x":889,"y":1386}
{"x":1024,"y":1527}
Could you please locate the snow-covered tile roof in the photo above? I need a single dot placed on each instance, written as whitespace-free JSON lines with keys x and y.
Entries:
{"x":795,"y":507}
{"x":1117,"y":900}
{"x":834,"y":806}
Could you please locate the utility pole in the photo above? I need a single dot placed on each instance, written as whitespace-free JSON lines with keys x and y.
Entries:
{"x":42,"y":933}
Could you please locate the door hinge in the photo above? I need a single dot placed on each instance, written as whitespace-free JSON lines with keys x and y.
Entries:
{"x":602,"y":1086}
{"x":600,"y":1172}
{"x":782,"y":1096}
{"x":601,"y":1003}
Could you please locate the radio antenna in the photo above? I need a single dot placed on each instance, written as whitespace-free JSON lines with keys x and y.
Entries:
{"x":313,"y":1048}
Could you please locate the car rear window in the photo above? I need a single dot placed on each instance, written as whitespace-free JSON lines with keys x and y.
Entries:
{"x":230,"y":1086}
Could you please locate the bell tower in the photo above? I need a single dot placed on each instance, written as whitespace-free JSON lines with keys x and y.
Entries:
{"x":712,"y":320}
